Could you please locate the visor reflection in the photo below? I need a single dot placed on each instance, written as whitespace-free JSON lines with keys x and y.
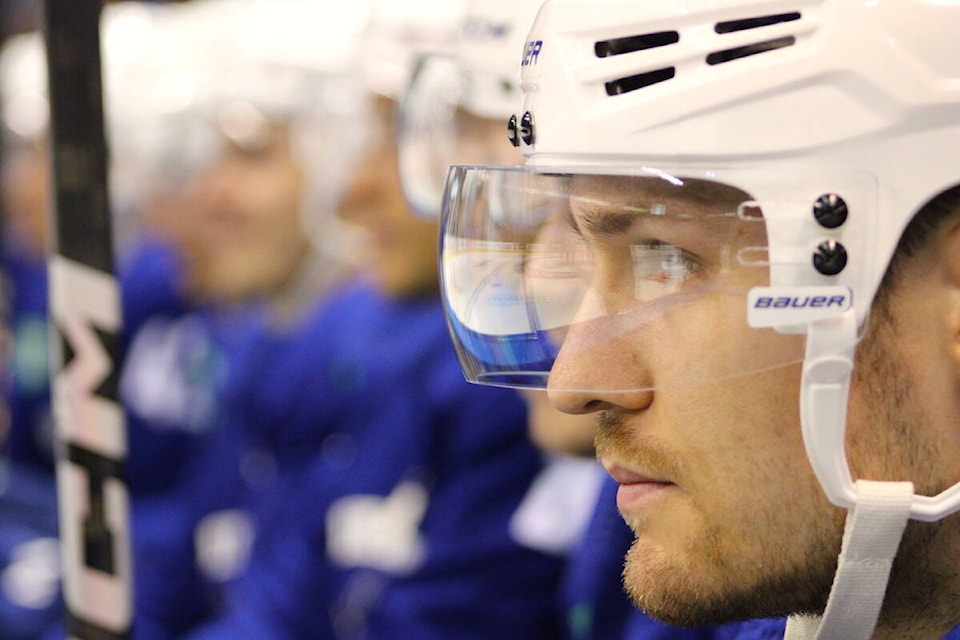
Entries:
{"x":539,"y":266}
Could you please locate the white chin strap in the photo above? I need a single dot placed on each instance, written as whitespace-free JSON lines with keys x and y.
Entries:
{"x":870,"y":541}
{"x":878,"y":510}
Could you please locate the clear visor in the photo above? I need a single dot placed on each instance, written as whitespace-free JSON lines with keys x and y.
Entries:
{"x":592,"y":282}
{"x":438,"y":128}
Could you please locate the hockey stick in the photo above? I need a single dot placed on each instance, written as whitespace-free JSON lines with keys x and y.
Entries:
{"x":85,"y":311}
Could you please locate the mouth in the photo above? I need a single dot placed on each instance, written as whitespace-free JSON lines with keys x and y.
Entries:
{"x":638,"y":491}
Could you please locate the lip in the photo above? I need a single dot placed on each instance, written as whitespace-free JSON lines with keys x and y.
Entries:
{"x":637,"y":491}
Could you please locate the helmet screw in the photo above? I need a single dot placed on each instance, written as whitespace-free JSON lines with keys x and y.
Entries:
{"x":512,"y":133}
{"x":526,"y":128}
{"x":830,"y":210}
{"x":830,"y":257}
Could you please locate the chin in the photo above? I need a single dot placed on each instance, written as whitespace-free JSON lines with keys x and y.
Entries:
{"x":702,"y":587}
{"x":677,"y":573}
{"x":676,"y":596}
{"x":392,"y":288}
{"x":400,"y":284}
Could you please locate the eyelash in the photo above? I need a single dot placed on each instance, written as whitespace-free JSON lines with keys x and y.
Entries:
{"x":666,"y":262}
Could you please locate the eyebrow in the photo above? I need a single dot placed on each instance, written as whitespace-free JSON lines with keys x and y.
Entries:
{"x":603,"y":223}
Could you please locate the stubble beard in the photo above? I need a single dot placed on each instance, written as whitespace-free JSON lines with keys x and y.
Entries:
{"x":923,"y":588}
{"x":710,"y":585}
{"x":709,"y":582}
{"x":716,"y":576}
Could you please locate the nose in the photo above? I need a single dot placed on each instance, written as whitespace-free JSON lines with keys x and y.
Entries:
{"x":600,"y":366}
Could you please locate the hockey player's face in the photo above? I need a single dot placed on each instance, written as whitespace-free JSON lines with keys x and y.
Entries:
{"x":730,"y":521}
{"x":26,"y":185}
{"x":403,"y":256}
{"x":250,"y":215}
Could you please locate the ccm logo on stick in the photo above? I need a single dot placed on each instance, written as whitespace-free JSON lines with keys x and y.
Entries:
{"x":91,"y":429}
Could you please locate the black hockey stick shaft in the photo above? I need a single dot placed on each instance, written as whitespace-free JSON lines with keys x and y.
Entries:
{"x":85,"y":310}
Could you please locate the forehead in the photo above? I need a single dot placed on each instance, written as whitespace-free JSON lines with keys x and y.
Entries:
{"x":695,"y":193}
{"x":247,"y":128}
{"x":606,"y":204}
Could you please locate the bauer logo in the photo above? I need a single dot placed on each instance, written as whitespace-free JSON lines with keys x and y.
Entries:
{"x":531,"y":53}
{"x":786,"y":306}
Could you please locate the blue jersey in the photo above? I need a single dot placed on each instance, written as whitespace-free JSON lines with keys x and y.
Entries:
{"x":179,"y":359}
{"x":166,"y":349}
{"x":176,"y":362}
{"x":27,"y":388}
{"x":175,"y":586}
{"x":763,"y":629}
{"x":173,"y":387}
{"x":30,"y":602}
{"x":394,"y":482}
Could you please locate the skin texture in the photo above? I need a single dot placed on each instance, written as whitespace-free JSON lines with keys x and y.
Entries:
{"x":730,"y":521}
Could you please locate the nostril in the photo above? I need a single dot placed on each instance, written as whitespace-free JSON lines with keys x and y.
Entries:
{"x":594,"y":405}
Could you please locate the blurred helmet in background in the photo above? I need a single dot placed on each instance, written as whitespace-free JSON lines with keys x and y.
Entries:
{"x":459,"y":101}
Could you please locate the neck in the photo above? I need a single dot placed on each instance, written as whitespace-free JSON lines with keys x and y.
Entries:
{"x":315,"y":275}
{"x":923,"y":596}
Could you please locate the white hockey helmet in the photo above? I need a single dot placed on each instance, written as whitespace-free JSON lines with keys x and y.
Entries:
{"x":23,"y":89}
{"x":289,"y":62}
{"x":790,"y":87}
{"x":157,"y":68}
{"x":454,"y":109}
{"x":398,"y":33}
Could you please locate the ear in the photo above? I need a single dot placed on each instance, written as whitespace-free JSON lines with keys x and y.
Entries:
{"x":948,"y":263}
{"x":950,"y":251}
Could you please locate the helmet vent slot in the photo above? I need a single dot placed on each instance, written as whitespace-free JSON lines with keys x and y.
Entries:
{"x":719,"y":57}
{"x":620,"y":46}
{"x":639,"y":81}
{"x":755,"y":23}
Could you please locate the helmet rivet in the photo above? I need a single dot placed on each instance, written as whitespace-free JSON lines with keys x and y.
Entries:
{"x":512,"y":132}
{"x":830,"y":210}
{"x":830,"y":257}
{"x":526,"y":128}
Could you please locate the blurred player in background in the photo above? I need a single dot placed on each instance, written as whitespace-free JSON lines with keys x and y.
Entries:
{"x":393,"y":482}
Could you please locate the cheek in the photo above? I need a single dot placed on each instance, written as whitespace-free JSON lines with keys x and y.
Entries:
{"x":904,"y":404}
{"x":278,"y":200}
{"x":708,"y":340}
{"x":743,"y":435}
